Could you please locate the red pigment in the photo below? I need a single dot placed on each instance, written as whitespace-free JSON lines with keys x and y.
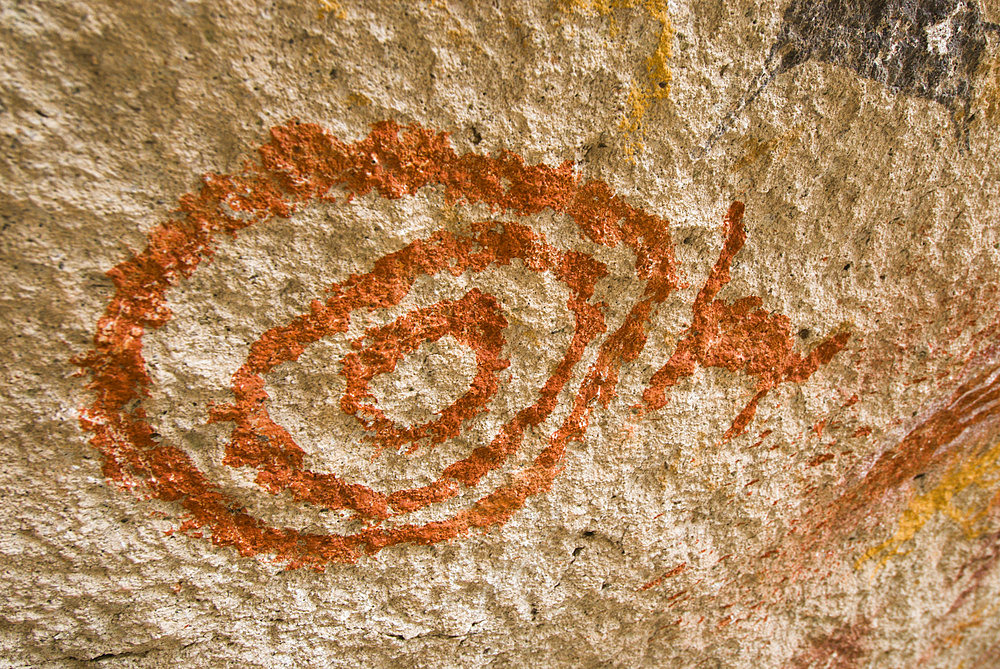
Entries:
{"x":738,"y":336}
{"x":301,"y":163}
{"x":843,"y":648}
{"x":820,"y":459}
{"x":974,"y":405}
{"x":475,"y":320}
{"x":761,"y":437}
{"x":944,"y":436}
{"x":676,"y":571}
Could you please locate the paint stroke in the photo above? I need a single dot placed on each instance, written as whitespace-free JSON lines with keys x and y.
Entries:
{"x":303,"y":163}
{"x":738,"y":336}
{"x":670,"y":573}
{"x":946,"y":435}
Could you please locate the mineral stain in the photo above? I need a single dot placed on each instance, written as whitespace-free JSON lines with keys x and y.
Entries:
{"x":929,"y":49}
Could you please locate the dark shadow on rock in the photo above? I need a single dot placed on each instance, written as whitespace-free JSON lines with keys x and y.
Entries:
{"x":924,"y":48}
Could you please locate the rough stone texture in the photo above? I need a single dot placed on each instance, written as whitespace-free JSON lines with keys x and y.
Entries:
{"x":853,"y":519}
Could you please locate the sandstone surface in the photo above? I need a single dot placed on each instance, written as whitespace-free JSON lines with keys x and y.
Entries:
{"x":566,"y":333}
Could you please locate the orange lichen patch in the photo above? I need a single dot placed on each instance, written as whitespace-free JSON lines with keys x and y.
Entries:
{"x":980,"y":471}
{"x":738,"y":336}
{"x":641,"y":96}
{"x":358,"y":100}
{"x":756,"y":148}
{"x":302,"y":163}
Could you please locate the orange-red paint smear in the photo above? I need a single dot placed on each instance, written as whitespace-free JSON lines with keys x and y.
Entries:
{"x":974,"y":406}
{"x":301,"y":163}
{"x":738,"y":336}
{"x":948,"y":434}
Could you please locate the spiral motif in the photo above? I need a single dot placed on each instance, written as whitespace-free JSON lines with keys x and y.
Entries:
{"x":303,"y":163}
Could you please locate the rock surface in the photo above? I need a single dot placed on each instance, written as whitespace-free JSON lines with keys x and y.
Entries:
{"x":442,"y":334}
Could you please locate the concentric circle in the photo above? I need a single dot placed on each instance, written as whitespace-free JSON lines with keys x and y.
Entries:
{"x":475,"y":320}
{"x":303,"y":163}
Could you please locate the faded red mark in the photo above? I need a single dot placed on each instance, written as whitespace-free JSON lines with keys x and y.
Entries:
{"x":843,"y":648}
{"x":820,"y":459}
{"x":676,"y":571}
{"x":974,"y":406}
{"x":761,"y":437}
{"x":953,"y":431}
{"x":738,"y":336}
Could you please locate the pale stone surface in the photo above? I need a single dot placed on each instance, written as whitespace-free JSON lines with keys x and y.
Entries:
{"x":867,"y":213}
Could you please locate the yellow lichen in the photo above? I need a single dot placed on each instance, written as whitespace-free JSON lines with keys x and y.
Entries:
{"x":641,"y":96}
{"x":982,"y":471}
{"x":331,"y":7}
{"x":358,"y":100}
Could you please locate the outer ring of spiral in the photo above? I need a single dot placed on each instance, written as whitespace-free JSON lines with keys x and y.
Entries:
{"x":302,"y":163}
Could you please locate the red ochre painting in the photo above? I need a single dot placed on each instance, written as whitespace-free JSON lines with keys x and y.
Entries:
{"x":302,"y":163}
